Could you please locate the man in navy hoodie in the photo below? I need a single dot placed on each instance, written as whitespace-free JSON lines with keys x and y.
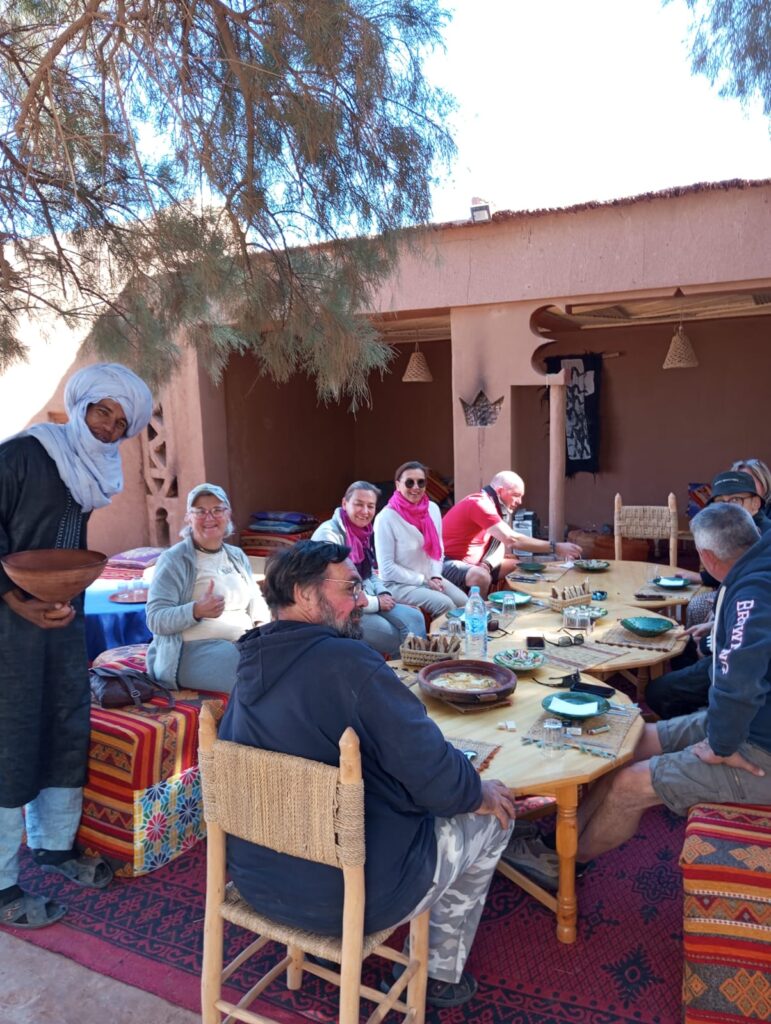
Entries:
{"x":434,"y":830}
{"x":721,"y":754}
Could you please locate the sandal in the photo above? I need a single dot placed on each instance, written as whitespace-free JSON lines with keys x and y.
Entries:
{"x":28,"y":911}
{"x":89,"y":872}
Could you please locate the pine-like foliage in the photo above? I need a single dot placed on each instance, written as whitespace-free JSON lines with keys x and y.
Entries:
{"x":236,"y":170}
{"x":731,"y":45}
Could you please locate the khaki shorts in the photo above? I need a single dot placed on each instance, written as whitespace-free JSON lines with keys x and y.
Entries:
{"x":681,"y":780}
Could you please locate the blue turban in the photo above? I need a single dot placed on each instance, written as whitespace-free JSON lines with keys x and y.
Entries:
{"x":89,"y":468}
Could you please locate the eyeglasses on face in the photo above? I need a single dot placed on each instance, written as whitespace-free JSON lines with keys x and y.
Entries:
{"x":218,"y":512}
{"x":355,"y":587}
{"x":732,"y":499}
{"x":410,"y":483}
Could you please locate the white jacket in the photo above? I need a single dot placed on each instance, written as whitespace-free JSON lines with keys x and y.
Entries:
{"x":399,"y":549}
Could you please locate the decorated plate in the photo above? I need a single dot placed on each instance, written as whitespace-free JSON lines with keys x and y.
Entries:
{"x":591,"y":564}
{"x":497,"y":598}
{"x":671,"y":582}
{"x":644,"y":625}
{"x":584,"y":705}
{"x":594,"y":611}
{"x":518,"y":659}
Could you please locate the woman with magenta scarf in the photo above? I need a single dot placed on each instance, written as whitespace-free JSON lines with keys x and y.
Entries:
{"x":408,"y":542}
{"x":385,"y":624}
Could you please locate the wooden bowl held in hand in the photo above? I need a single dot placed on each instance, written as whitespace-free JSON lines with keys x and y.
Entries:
{"x":54,"y":574}
{"x":448,"y":680}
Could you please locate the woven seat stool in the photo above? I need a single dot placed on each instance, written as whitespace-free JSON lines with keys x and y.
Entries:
{"x":142,"y":803}
{"x":306,"y":809}
{"x":726,"y":864}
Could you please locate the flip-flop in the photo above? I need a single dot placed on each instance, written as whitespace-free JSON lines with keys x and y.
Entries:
{"x":29,"y":912}
{"x":89,"y":872}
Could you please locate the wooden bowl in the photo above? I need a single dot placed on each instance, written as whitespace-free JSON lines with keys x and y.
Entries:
{"x":502,"y":681}
{"x":54,"y":574}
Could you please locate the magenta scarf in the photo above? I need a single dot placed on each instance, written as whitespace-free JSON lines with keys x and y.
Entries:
{"x":418,"y":516}
{"x":359,"y":540}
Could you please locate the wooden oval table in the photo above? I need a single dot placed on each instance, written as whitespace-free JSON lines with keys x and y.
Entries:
{"x":525,"y":770}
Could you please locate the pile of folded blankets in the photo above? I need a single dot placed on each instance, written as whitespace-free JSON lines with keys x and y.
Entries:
{"x":269,"y":531}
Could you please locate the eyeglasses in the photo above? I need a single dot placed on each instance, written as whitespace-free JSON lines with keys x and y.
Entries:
{"x":410,"y":483}
{"x":218,"y":512}
{"x":566,"y":641}
{"x":355,"y":587}
{"x":733,"y":499}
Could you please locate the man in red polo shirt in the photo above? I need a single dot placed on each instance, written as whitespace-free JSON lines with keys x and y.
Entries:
{"x":479,"y":545}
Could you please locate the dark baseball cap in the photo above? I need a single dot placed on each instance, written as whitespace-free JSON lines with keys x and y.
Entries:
{"x":733,"y":482}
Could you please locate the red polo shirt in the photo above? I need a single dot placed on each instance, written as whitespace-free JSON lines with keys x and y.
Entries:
{"x":465,"y":527}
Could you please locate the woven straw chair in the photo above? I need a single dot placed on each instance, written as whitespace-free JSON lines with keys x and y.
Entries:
{"x":309,"y":810}
{"x":646,"y":522}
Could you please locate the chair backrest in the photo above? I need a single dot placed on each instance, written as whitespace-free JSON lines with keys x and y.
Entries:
{"x":289,"y":804}
{"x":649,"y":522}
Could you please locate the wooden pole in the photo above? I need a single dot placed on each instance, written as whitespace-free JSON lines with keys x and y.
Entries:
{"x":557,"y":397}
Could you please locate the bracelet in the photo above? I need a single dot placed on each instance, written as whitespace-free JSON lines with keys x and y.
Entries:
{"x":553,"y":547}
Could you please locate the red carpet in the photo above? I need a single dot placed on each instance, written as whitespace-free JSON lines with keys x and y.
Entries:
{"x":625,"y":967}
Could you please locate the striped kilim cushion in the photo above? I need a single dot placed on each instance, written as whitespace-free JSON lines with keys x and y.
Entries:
{"x":726,"y":864}
{"x":142,"y":799}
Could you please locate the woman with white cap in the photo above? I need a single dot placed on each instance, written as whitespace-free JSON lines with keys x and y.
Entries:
{"x":202,"y":598}
{"x":51,"y":478}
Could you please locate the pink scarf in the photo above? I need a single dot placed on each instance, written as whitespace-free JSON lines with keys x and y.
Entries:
{"x":359,"y":540}
{"x":418,"y":516}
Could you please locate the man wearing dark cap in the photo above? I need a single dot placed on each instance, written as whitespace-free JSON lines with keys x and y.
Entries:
{"x":685,"y":690}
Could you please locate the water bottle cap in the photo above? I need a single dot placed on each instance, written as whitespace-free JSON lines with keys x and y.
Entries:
{"x":473,"y":590}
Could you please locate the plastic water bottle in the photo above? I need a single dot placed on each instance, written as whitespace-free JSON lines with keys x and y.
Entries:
{"x":476,"y":626}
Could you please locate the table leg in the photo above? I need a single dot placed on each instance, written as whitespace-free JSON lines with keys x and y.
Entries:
{"x":567,"y":844}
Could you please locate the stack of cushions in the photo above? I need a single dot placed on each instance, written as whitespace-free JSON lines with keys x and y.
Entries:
{"x":142,"y":799}
{"x":726,"y":864}
{"x":269,"y":531}
{"x":135,"y":558}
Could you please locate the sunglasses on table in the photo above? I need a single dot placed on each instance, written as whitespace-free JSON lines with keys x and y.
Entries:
{"x":409,"y":482}
{"x":566,"y":641}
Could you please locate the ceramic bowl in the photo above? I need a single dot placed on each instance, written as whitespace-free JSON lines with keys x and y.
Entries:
{"x":502,"y":681}
{"x":591,"y":565}
{"x":531,"y":566}
{"x":497,"y":598}
{"x":644,"y":625}
{"x":54,"y":574}
{"x":582,"y":702}
{"x":519,"y":659}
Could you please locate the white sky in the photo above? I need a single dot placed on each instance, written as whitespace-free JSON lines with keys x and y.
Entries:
{"x":565,"y":101}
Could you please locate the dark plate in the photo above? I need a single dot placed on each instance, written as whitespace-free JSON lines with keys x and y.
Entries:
{"x":580,"y":700}
{"x":531,"y":567}
{"x":502,"y":681}
{"x":671,"y":582}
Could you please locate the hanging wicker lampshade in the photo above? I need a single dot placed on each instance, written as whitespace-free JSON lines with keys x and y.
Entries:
{"x":681,"y":355}
{"x":417,"y":371}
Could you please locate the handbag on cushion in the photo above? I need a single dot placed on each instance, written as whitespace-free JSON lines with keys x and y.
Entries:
{"x":115,"y":686}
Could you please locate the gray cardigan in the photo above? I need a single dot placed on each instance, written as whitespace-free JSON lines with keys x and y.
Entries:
{"x":170,"y":605}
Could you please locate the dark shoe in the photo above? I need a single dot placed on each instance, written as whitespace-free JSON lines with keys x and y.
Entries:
{"x":89,"y":872}
{"x":550,"y":840}
{"x":29,"y":912}
{"x":439,"y":993}
{"x":535,"y":860}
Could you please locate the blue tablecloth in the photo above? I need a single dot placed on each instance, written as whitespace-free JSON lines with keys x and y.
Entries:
{"x":109,"y":624}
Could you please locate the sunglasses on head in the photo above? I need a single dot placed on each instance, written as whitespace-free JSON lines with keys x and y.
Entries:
{"x":409,"y":482}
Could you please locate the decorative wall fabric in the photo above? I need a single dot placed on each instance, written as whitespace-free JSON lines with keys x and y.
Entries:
{"x":582,"y":426}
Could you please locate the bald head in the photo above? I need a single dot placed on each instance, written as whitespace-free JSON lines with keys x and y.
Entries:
{"x":510,"y":489}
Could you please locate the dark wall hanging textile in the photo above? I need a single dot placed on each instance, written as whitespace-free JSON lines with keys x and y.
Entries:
{"x":582,"y":423}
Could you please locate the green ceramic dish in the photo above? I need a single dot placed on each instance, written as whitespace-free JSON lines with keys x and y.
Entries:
{"x":584,"y":705}
{"x":498,"y":596}
{"x":642,"y":625}
{"x":595,"y":611}
{"x":531,"y":566}
{"x":671,"y":582}
{"x":591,"y":565}
{"x":519,"y":660}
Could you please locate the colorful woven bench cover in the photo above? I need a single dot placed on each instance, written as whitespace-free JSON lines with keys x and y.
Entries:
{"x":726,"y":864}
{"x":142,"y":799}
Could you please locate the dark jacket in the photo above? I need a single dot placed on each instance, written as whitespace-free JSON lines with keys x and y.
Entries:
{"x":299,"y":686}
{"x":740,"y":695}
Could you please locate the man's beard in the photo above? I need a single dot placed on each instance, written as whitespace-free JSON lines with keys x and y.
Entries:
{"x":350,"y":627}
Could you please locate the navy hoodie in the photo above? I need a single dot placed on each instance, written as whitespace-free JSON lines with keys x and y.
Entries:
{"x":740,"y":695}
{"x":299,"y":687}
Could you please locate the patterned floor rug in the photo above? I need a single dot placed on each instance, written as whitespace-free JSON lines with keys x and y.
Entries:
{"x":625,"y":966}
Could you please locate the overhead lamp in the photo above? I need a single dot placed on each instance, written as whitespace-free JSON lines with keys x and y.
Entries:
{"x":681,"y":354}
{"x":417,"y":371}
{"x":480,"y":210}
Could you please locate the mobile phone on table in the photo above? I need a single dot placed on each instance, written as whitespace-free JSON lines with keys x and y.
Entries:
{"x":535,"y":643}
{"x":594,"y":688}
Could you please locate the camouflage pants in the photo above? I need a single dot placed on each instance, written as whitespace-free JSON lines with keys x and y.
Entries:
{"x":468,"y":848}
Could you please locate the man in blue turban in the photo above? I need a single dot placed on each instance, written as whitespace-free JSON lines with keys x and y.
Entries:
{"x":52,"y":476}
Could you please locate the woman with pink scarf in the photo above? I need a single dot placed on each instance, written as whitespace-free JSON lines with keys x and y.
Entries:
{"x":408,"y":543}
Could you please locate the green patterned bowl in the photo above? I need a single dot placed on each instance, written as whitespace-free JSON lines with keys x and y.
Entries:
{"x":642,"y":625}
{"x":518,"y":659}
{"x":591,"y":564}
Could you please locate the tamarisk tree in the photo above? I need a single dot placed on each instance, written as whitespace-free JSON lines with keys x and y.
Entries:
{"x":239,"y":170}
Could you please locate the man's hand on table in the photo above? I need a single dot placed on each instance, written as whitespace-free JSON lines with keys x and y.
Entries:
{"x":705,"y":753}
{"x":497,"y":800}
{"x":43,"y":614}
